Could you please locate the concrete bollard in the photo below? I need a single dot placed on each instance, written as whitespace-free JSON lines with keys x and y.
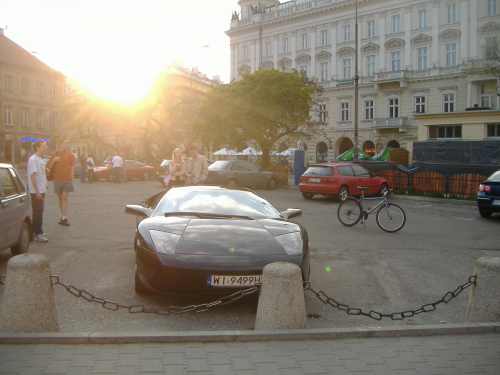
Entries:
{"x":28,"y":301}
{"x":484,"y":300}
{"x":281,"y":302}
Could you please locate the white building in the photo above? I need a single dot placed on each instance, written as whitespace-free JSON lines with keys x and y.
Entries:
{"x":411,"y":59}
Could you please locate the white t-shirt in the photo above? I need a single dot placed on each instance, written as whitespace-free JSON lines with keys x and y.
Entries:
{"x":117,"y":161}
{"x":90,"y":161}
{"x":36,"y":166}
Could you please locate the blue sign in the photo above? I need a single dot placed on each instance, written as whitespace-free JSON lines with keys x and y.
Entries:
{"x":34,"y":139}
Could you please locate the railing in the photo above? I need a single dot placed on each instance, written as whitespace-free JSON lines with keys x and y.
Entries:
{"x":390,"y":122}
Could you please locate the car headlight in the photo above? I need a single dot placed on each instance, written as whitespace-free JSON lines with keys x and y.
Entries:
{"x":291,"y":242}
{"x":165,"y":243}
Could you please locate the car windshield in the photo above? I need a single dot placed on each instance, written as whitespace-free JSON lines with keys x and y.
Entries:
{"x":216,"y":201}
{"x":495,"y":176}
{"x":220,"y":164}
{"x":319,"y":170}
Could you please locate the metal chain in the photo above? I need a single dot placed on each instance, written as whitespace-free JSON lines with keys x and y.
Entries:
{"x":394,"y":316}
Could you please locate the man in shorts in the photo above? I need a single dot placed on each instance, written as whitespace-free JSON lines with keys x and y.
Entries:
{"x":63,"y":161}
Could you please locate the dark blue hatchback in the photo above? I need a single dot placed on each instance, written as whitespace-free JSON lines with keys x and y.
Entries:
{"x":488,"y":195}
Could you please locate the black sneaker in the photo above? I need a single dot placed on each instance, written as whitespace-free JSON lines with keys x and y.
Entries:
{"x":64,"y":222}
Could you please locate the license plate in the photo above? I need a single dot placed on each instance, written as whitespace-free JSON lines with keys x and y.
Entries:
{"x":496,"y":202}
{"x":229,"y":281}
{"x":314,"y":180}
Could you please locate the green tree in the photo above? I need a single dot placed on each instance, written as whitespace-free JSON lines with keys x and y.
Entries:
{"x":262,"y":107}
{"x":490,"y":64}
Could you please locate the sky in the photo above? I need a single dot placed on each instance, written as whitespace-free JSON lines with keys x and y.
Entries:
{"x":117,"y":47}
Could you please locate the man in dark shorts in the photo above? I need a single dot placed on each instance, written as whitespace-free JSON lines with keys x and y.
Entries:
{"x":63,"y":161}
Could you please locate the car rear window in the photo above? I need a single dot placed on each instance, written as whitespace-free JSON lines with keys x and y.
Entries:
{"x":319,"y":171}
{"x":495,"y":176}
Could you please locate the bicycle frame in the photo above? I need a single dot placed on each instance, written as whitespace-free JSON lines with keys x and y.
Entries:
{"x":362,"y":199}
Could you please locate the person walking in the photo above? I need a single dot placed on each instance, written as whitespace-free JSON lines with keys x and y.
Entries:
{"x":90,"y":168}
{"x":177,"y":169}
{"x":64,"y":162}
{"x":37,"y":185}
{"x":116,"y":168}
{"x":197,"y":167}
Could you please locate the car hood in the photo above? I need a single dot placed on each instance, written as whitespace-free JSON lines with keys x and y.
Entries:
{"x":230,"y":237}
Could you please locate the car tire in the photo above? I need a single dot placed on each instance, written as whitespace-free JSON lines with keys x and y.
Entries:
{"x":271,"y":184}
{"x":145,"y":176}
{"x":232,"y":183}
{"x":484,"y":213}
{"x":139,"y":286}
{"x":383,"y":190}
{"x":308,"y":195}
{"x":23,"y":242}
{"x":110,"y":177}
{"x":343,"y":193}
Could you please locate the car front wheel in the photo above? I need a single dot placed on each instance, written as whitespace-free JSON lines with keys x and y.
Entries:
{"x":343,"y":193}
{"x":23,"y":242}
{"x":232,"y":183}
{"x":145,"y":176}
{"x":271,"y":184}
{"x":384,"y":190}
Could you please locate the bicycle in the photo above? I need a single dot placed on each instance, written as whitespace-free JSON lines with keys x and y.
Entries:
{"x":390,"y":217}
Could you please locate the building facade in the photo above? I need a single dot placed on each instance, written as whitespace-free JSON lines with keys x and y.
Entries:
{"x":31,"y":100}
{"x":412,"y":57}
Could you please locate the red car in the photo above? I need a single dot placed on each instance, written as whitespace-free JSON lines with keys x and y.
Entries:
{"x":133,"y":169}
{"x":340,"y":179}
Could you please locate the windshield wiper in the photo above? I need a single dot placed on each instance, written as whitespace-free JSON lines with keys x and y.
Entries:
{"x":204,"y":215}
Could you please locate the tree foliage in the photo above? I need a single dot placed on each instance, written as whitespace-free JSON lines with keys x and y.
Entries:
{"x":262,"y":107}
{"x":489,"y":66}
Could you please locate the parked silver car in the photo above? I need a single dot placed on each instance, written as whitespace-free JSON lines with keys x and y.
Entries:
{"x":15,"y":212}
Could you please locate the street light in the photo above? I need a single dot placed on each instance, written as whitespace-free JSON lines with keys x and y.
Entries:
{"x":356,"y":81}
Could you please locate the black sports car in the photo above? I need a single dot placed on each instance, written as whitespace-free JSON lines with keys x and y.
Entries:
{"x":210,"y":239}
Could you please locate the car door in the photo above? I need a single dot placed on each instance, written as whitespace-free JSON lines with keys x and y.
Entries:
{"x":365,"y":179}
{"x":347,"y":177}
{"x":254,"y":175}
{"x":12,"y":207}
{"x":130,"y":169}
{"x":240,"y":172}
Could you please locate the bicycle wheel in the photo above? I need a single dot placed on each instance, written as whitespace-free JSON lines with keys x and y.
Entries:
{"x":349,"y":212}
{"x":391,"y":218}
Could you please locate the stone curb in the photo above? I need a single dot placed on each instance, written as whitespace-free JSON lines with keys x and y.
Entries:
{"x":244,"y":336}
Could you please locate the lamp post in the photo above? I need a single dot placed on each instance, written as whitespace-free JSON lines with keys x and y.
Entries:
{"x":356,"y":82}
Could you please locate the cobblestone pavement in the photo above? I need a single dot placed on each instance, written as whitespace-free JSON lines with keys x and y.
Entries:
{"x":441,"y":354}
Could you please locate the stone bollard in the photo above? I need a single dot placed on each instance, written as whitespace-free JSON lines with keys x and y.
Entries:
{"x":484,"y":300}
{"x":28,"y":300}
{"x":281,"y":302}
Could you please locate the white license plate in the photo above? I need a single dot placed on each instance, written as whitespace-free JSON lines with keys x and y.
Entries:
{"x":496,"y":202}
{"x":314,"y":180}
{"x":236,"y":281}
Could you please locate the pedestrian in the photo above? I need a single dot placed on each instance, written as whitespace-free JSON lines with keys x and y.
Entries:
{"x":177,"y":169}
{"x":90,"y":168}
{"x":116,"y":168}
{"x":197,"y":167}
{"x":64,"y":162}
{"x":123,"y":175}
{"x":83,"y":167}
{"x":37,"y":185}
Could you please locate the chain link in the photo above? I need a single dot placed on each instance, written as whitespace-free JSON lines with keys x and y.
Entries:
{"x":323,"y":297}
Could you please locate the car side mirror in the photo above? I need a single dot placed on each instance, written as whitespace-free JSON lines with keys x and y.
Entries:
{"x":291,"y":212}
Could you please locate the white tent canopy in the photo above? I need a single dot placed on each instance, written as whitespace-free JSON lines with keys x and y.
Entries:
{"x":223,"y":151}
{"x":250,"y":151}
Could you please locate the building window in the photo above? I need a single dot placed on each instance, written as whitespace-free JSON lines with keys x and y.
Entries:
{"x":303,"y":38}
{"x":371,"y":29}
{"x":323,"y":113}
{"x":304,"y":70}
{"x":449,"y":103}
{"x":446,"y":131}
{"x":493,"y":130}
{"x":25,"y":117}
{"x":285,"y":45}
{"x":422,"y":58}
{"x":347,"y":33}
{"x":370,"y":65}
{"x":9,"y":83}
{"x":39,"y":88}
{"x":344,"y":111}
{"x":53,"y":119}
{"x":451,"y":54}
{"x":346,"y":68}
{"x":245,"y":53}
{"x":491,"y":48}
{"x":268,"y":48}
{"x":368,"y":109}
{"x":492,"y":7}
{"x":324,"y":38}
{"x":8,"y":119}
{"x":396,"y":24}
{"x":452,"y":13}
{"x":395,"y":61}
{"x":25,"y":86}
{"x":39,"y":118}
{"x":488,"y":96}
{"x":422,"y":18}
{"x":324,"y":71}
{"x":393,"y":108}
{"x":55,"y":89}
{"x":420,"y":104}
